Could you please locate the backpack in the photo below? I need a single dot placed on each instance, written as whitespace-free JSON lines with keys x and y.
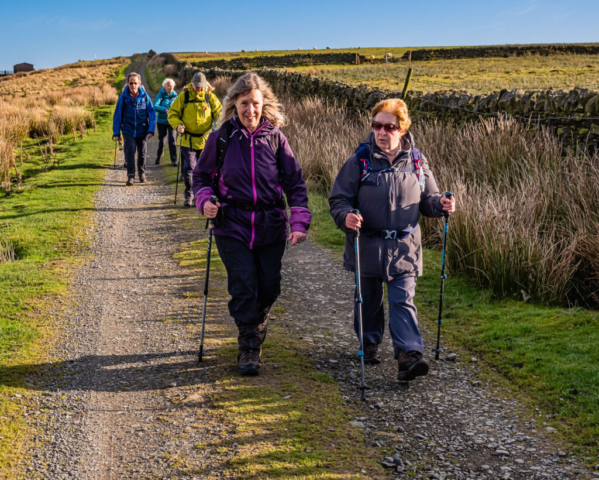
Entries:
{"x":225,"y":134}
{"x":363,"y":155}
{"x":206,"y":100}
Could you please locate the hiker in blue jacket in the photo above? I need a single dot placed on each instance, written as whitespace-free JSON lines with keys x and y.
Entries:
{"x":162,"y":103}
{"x":135,"y":117}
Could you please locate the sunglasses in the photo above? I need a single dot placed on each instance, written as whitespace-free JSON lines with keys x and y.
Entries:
{"x":389,"y":127}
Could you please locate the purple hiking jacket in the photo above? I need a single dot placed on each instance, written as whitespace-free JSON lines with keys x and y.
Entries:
{"x":250,"y":175}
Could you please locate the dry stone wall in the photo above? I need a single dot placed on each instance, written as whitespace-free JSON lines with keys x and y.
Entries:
{"x":292,"y":60}
{"x":500,"y":51}
{"x":573,"y":114}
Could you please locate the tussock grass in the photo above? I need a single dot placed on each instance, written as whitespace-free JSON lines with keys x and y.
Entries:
{"x":479,"y":75}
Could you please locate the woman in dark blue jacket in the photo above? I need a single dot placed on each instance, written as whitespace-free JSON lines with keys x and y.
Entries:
{"x":135,"y":117}
{"x":162,"y":103}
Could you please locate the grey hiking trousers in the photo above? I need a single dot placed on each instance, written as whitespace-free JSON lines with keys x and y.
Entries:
{"x":403,"y":316}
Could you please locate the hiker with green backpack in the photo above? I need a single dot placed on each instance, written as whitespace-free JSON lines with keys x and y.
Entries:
{"x":193,"y":115}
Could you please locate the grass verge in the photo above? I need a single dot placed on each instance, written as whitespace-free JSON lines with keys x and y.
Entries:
{"x":120,"y":78}
{"x":547,"y":354}
{"x":46,"y":223}
{"x":280,"y":430}
{"x":155,"y":75}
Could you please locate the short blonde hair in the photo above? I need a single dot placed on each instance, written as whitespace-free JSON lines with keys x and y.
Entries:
{"x":272,"y":110}
{"x":398,"y":108}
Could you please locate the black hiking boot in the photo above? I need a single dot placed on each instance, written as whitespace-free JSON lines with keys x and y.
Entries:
{"x":371,"y":356}
{"x":130,"y":181}
{"x":411,"y":365}
{"x":142,"y":178}
{"x":174,"y":164}
{"x":249,"y":361}
{"x":157,"y":161}
{"x":188,"y":199}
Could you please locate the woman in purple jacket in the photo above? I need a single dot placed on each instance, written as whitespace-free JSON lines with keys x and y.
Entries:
{"x":248,"y":164}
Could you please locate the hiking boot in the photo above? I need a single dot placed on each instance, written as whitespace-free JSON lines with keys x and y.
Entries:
{"x":142,"y":178}
{"x":186,"y":203}
{"x":249,"y":361}
{"x":157,"y":161}
{"x":174,"y":164}
{"x":411,"y":365}
{"x":130,"y":181}
{"x":371,"y":351}
{"x":125,"y":165}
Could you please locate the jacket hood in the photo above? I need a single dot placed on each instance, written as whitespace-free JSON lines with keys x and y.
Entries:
{"x":265,"y":128}
{"x":168,"y":95}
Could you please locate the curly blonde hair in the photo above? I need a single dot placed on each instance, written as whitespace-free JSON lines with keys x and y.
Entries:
{"x":272,"y":110}
{"x":398,"y":108}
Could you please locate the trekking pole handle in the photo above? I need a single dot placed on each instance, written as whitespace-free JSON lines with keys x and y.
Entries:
{"x":449,"y":196}
{"x":213,"y":199}
{"x":355,"y":211}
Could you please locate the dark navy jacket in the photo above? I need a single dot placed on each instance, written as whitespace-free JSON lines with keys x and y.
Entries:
{"x":135,"y":117}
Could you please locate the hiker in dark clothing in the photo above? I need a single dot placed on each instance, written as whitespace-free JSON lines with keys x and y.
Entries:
{"x":390,"y":183}
{"x":248,"y":164}
{"x":135,"y":116}
{"x":162,"y":103}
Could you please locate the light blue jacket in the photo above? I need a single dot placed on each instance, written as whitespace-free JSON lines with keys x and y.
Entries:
{"x":162,"y":103}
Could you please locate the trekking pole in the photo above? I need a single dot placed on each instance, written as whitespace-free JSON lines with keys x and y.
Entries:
{"x":449,"y":196}
{"x":213,"y":200}
{"x":178,"y":163}
{"x":359,"y":301}
{"x":116,"y":146}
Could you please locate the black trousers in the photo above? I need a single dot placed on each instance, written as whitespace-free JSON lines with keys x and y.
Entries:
{"x":254,"y":279}
{"x":131,"y":145}
{"x":171,"y":138}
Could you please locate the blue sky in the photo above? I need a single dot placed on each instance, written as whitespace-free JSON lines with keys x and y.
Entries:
{"x":54,"y":32}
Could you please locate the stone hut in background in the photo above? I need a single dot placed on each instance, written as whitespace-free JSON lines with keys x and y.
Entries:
{"x":23,"y":67}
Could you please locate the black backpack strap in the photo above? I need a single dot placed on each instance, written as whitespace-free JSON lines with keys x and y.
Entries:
{"x":221,"y":150}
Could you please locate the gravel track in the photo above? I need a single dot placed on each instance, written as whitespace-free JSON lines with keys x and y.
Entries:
{"x":125,"y":398}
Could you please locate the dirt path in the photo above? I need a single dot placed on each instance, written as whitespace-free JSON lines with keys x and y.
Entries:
{"x":125,"y":398}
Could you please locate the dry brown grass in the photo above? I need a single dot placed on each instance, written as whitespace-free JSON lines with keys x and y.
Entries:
{"x":528,"y":219}
{"x":47,"y":105}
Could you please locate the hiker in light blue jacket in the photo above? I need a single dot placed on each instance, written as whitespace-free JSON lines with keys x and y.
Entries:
{"x":162,"y":103}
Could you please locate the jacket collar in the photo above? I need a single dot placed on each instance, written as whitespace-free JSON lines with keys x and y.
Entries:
{"x":266,"y":128}
{"x":140,"y":94}
{"x":407,"y":144}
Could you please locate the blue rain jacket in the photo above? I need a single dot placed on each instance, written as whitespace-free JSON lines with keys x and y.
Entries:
{"x":162,"y":102}
{"x":135,"y":117}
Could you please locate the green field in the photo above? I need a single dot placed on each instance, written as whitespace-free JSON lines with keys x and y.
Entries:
{"x":378,"y":52}
{"x":480,"y":75}
{"x":46,"y":222}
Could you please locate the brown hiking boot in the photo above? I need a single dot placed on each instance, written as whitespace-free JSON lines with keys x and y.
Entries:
{"x":371,"y":351}
{"x":142,"y":178}
{"x":411,"y":365}
{"x":249,"y":361}
{"x":130,"y":181}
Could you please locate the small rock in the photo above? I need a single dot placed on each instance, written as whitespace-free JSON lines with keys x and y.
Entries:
{"x":286,"y":397}
{"x":501,"y":452}
{"x":452,"y":357}
{"x":355,"y":423}
{"x":550,"y":429}
{"x":476,"y":383}
{"x":474,"y":359}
